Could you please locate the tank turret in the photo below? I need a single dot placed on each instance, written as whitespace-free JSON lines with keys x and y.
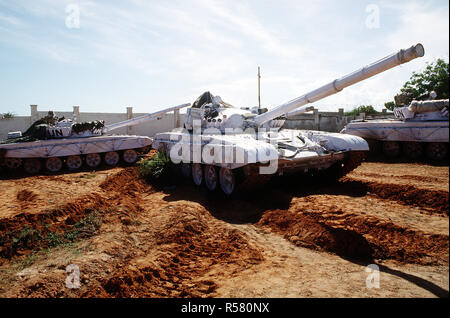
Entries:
{"x":52,"y":127}
{"x":423,"y":110}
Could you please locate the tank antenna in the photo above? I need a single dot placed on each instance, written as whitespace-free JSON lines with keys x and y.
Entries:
{"x":259,"y":88}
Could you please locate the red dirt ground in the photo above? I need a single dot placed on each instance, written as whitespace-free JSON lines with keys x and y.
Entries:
{"x":295,"y":238}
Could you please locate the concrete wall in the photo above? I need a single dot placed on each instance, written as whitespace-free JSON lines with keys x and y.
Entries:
{"x":325,"y":121}
{"x":13,"y":124}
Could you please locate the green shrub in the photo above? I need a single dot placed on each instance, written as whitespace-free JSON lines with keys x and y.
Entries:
{"x":7,"y":115}
{"x":155,"y":168}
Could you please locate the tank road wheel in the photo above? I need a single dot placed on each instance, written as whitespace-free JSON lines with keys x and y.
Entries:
{"x":197,"y":174}
{"x":437,"y":151}
{"x":391,"y":149}
{"x":227,"y":180}
{"x":93,"y":160}
{"x":74,"y":162}
{"x":32,"y":166}
{"x":185,"y":169}
{"x":130,"y":156}
{"x":53,"y":164}
{"x":211,"y":178}
{"x":112,"y":158}
{"x":13,"y":163}
{"x":413,"y":149}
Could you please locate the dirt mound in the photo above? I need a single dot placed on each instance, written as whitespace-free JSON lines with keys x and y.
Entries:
{"x":188,"y":247}
{"x":304,"y":230}
{"x":186,"y":242}
{"x":356,"y":237}
{"x":430,"y":200}
{"x":405,"y":177}
{"x":126,"y":182}
{"x":26,"y":196}
{"x":26,"y":232}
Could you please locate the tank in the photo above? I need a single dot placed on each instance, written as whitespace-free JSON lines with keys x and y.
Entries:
{"x":226,"y":147}
{"x":53,"y":142}
{"x":417,"y":130}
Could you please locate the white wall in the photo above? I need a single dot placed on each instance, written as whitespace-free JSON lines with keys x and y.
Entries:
{"x":13,"y":124}
{"x":147,"y":129}
{"x":325,"y":121}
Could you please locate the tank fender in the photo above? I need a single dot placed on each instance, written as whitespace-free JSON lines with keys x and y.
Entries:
{"x":339,"y":142}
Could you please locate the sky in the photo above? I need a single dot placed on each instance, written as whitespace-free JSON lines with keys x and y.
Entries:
{"x":153,"y":54}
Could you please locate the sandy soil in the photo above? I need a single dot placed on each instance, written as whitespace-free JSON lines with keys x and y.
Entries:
{"x":295,"y":238}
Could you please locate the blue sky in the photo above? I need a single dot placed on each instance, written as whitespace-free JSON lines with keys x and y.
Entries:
{"x":155,"y":54}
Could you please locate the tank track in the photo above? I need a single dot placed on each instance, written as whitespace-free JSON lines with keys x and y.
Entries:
{"x":250,"y":179}
{"x":434,"y":151}
{"x":40,"y":163}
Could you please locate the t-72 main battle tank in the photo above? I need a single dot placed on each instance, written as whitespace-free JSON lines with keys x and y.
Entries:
{"x":51,"y":141}
{"x":240,"y":147}
{"x":421,"y":127}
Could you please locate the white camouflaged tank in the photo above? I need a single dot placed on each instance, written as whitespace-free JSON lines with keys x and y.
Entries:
{"x":229,"y":147}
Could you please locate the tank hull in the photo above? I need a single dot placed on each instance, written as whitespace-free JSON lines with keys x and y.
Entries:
{"x":53,"y":153}
{"x":255,"y":158}
{"x":235,"y":151}
{"x":397,"y":130}
{"x":74,"y":146}
{"x":410,"y":139}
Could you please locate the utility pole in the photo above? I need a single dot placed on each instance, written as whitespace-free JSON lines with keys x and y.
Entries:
{"x":259,"y":88}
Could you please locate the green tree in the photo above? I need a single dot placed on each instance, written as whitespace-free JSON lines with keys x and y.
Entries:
{"x":389,"y":105}
{"x":433,"y":78}
{"x":368,"y":109}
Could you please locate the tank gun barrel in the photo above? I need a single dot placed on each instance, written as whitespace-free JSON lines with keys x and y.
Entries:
{"x":393,"y":60}
{"x":299,"y":111}
{"x":143,"y":118}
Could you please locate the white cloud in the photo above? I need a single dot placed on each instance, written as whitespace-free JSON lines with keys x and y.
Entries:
{"x":239,"y":19}
{"x":425,"y":23}
{"x":217,"y":45}
{"x":10,"y":20}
